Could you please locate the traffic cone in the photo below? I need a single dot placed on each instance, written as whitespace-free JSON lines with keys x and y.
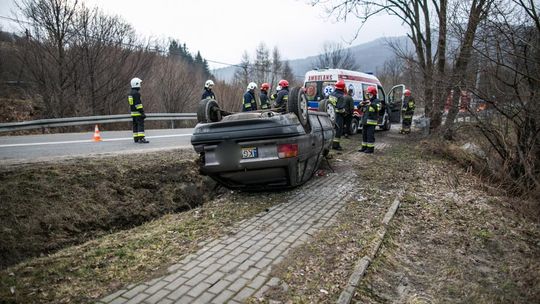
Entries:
{"x":97,"y":136}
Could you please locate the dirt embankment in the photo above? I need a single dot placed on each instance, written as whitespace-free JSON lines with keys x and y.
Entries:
{"x":48,"y":206}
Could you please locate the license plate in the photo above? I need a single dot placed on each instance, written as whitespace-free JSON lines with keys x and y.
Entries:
{"x":250,"y":152}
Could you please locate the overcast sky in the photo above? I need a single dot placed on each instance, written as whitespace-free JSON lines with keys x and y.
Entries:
{"x":222,"y":30}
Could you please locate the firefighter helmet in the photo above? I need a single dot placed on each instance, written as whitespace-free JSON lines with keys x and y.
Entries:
{"x":252,"y":86}
{"x":136,"y":82}
{"x":372,"y":90}
{"x":283,"y":83}
{"x":407,"y":92}
{"x":209,"y":84}
{"x":340,"y":85}
{"x":265,"y":86}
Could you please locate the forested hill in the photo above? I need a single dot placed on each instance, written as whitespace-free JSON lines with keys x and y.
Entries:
{"x":370,"y":56}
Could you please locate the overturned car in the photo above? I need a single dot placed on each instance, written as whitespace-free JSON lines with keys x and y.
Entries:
{"x":262,"y":149}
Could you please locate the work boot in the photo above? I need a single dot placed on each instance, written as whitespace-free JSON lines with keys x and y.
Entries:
{"x":369,"y":150}
{"x":136,"y":139}
{"x":143,"y":141}
{"x":362,"y":149}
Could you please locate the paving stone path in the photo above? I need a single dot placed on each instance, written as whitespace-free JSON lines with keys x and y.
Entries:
{"x":236,"y":267}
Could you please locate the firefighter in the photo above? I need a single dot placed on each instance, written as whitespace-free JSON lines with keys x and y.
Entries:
{"x":137,"y":111}
{"x":274,"y":96}
{"x":208,"y":93}
{"x":408,"y":112}
{"x":370,"y":110}
{"x":263,"y":96}
{"x":349,"y":111}
{"x":249,"y":103}
{"x":336,"y":98}
{"x":282,"y":97}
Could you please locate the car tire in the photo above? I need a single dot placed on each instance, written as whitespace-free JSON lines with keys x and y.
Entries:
{"x":208,"y":111}
{"x":354,"y":126}
{"x":298,"y":104}
{"x":325,"y":106}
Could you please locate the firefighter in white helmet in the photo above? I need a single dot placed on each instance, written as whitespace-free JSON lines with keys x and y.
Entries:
{"x":137,"y":111}
{"x":249,"y":103}
{"x":208,"y":93}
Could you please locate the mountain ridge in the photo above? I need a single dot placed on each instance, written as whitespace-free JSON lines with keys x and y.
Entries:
{"x":370,"y":56}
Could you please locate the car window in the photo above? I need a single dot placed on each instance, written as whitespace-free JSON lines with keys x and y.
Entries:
{"x":364,"y":91}
{"x":380,"y":94}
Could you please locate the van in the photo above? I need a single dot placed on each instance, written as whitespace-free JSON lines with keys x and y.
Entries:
{"x":319,"y":84}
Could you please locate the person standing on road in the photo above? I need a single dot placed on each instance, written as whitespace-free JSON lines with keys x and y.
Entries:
{"x":408,"y":112}
{"x":263,"y":96}
{"x":282,"y":97}
{"x":336,"y":98}
{"x":370,"y":110}
{"x":249,"y":103}
{"x":137,"y":111}
{"x":208,"y":93}
{"x":349,"y":111}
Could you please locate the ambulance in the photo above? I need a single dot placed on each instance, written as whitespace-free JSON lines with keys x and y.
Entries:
{"x":319,"y":84}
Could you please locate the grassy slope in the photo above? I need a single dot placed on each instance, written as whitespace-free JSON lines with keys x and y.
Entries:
{"x":450,"y":241}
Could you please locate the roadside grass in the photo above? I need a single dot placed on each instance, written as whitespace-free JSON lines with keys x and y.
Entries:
{"x":453,"y":241}
{"x":450,"y":241}
{"x":92,"y":270}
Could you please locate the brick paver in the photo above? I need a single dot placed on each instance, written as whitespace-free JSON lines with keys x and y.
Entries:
{"x":237,"y":266}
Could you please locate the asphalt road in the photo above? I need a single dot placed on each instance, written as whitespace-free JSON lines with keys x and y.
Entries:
{"x":31,"y":148}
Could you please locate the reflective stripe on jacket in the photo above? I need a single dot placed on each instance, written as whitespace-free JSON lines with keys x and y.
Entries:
{"x":371,"y":112}
{"x":135,"y":103}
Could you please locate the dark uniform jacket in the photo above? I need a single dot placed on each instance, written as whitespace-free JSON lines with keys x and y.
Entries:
{"x":135,"y":103}
{"x":349,"y":104}
{"x":249,"y":102}
{"x":371,"y":112}
{"x":282,"y":99}
{"x":208,"y":94}
{"x":336,"y":99}
{"x":263,"y":97}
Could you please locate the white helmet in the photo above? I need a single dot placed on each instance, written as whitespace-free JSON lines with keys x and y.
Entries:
{"x":136,"y":82}
{"x":252,"y":86}
{"x":209,"y":83}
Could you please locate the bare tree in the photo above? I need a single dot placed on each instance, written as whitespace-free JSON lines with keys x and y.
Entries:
{"x":509,"y":49}
{"x":288,"y":73}
{"x":276,"y":68}
{"x":262,"y":64}
{"x":45,"y":52}
{"x":478,"y":11}
{"x":242,"y":74}
{"x":335,"y":56}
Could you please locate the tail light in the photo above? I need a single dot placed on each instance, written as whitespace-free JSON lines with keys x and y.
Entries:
{"x":287,"y":150}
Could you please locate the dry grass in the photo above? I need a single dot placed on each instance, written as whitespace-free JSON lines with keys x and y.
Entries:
{"x":92,"y":270}
{"x":451,"y":240}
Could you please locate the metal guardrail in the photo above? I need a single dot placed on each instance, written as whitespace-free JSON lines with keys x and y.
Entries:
{"x":88,"y":120}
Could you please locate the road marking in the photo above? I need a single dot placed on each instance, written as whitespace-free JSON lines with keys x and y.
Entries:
{"x":87,"y":141}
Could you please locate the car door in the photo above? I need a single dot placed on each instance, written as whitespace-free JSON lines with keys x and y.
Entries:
{"x":395,"y":102}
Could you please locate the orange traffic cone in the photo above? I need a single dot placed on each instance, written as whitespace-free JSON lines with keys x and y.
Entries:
{"x":97,"y":136}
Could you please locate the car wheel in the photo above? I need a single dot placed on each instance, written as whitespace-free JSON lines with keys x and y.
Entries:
{"x":208,"y":111}
{"x":325,"y":106}
{"x":298,"y":104}
{"x":354,"y":126}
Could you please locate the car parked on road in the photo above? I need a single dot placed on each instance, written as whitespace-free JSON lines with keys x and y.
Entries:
{"x":262,"y":149}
